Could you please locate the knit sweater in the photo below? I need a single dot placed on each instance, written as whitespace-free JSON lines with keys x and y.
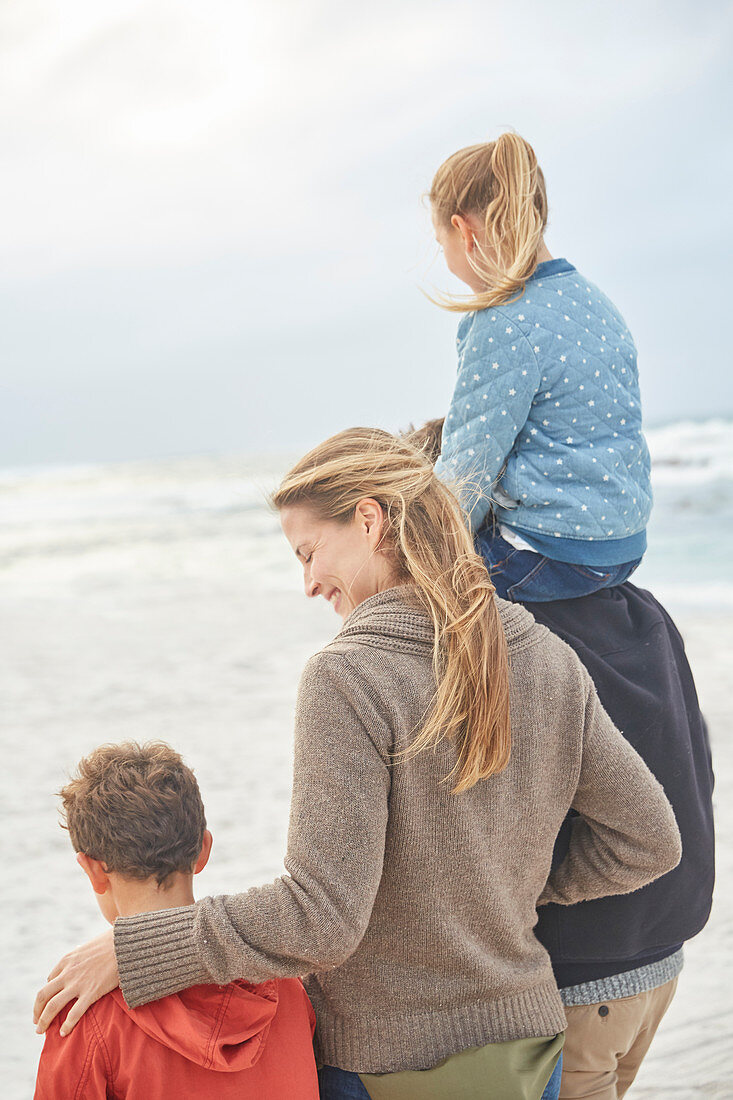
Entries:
{"x":411,"y":909}
{"x":546,"y":417}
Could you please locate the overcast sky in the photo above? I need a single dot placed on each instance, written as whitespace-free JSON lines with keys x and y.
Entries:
{"x":214,"y":239}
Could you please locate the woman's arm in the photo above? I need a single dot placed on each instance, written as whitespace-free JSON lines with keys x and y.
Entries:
{"x":626,"y":835}
{"x":498,"y":378}
{"x":313,"y":917}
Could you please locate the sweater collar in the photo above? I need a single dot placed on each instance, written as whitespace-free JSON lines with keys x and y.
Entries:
{"x":396,"y":619}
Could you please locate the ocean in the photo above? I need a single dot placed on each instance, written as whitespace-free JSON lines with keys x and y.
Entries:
{"x":160,"y":600}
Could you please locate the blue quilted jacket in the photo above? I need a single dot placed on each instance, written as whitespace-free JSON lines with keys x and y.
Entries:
{"x":546,"y":421}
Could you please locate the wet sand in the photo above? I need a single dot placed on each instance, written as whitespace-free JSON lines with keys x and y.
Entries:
{"x":213,"y":668}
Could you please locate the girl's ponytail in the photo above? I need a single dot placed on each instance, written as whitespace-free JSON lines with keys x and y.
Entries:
{"x":501,"y":183}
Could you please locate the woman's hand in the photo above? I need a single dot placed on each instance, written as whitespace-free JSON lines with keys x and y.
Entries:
{"x":87,"y":973}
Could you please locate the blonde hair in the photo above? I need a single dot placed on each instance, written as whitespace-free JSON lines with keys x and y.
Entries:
{"x":426,"y":536}
{"x":501,"y":183}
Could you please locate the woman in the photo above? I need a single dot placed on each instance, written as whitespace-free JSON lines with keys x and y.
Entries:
{"x":421,"y":832}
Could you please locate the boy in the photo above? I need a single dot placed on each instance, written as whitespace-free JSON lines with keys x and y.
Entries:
{"x":136,"y":820}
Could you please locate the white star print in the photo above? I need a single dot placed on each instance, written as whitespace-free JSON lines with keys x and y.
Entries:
{"x":512,"y":393}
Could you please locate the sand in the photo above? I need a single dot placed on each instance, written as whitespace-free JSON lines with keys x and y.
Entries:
{"x":212,"y":666}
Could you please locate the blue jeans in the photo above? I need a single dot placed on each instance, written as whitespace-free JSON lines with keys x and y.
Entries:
{"x":339,"y":1084}
{"x":525,"y":577}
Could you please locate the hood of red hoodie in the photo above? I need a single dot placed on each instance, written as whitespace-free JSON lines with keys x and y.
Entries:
{"x":219,"y":1027}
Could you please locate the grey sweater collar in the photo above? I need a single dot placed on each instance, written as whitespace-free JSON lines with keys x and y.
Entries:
{"x":395,"y":619}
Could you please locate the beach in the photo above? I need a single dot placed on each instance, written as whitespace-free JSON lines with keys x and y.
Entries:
{"x":161,"y":601}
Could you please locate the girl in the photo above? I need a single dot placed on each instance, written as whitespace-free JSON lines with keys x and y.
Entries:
{"x":545,"y":416}
{"x":419,"y":845}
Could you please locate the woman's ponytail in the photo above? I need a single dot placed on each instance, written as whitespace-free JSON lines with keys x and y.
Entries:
{"x":430,"y":547}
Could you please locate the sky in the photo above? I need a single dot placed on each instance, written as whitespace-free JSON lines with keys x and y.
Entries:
{"x":215,"y":236}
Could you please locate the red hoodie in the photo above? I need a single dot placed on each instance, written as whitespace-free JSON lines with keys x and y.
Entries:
{"x":211,"y":1041}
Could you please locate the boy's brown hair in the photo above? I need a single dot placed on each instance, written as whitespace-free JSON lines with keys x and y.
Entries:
{"x":137,"y":809}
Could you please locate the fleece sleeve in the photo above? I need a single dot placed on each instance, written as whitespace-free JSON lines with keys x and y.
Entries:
{"x":498,"y":377}
{"x":313,"y":917}
{"x":626,"y":834}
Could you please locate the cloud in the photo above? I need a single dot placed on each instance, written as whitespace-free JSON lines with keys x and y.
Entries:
{"x":210,"y":186}
{"x":134,"y":132}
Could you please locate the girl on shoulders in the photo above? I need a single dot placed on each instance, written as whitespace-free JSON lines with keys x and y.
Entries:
{"x":544,"y":428}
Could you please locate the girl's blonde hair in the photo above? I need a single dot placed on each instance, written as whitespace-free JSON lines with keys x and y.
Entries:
{"x":427,"y":539}
{"x":501,"y":183}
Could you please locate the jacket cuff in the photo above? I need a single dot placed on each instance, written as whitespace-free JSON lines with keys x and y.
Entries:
{"x":156,"y":954}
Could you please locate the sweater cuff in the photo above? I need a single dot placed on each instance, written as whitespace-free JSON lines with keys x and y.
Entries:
{"x":156,"y":954}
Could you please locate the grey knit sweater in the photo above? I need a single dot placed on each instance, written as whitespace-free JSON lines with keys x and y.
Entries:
{"x":410,"y":909}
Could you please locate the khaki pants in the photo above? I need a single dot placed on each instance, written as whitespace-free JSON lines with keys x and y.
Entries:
{"x":605,"y":1043}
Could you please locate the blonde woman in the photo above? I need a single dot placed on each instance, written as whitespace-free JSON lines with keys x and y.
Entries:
{"x":545,"y":416}
{"x":440,"y":740}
